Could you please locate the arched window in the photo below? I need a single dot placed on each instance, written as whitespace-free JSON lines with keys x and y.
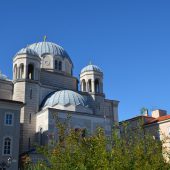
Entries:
{"x":15,"y":71}
{"x":89,"y":85}
{"x":30,"y":118}
{"x":83,"y":84}
{"x":30,"y":93}
{"x":41,"y":136}
{"x":60,"y":66}
{"x":97,"y":88}
{"x":7,"y":146}
{"x":31,"y":71}
{"x":56,"y":64}
{"x":29,"y":143}
{"x":21,"y":71}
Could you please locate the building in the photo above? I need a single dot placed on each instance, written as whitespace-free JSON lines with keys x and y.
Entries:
{"x":43,"y":80}
{"x":9,"y":125}
{"x":157,"y":125}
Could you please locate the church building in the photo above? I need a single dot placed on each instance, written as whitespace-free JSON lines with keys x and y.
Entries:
{"x":43,"y":87}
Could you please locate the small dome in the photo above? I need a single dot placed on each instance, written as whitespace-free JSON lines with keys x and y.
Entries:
{"x":64,"y":97}
{"x":27,"y":51}
{"x":91,"y":67}
{"x":49,"y":48}
{"x":3,"y":77}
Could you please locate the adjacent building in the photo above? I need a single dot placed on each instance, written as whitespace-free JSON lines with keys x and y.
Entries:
{"x":157,"y":125}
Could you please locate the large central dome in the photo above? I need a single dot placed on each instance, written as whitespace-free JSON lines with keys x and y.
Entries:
{"x":49,"y":48}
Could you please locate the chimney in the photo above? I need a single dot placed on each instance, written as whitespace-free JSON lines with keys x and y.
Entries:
{"x":158,"y":113}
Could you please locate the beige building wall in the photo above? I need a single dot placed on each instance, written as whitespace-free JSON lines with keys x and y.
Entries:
{"x":6,"y":89}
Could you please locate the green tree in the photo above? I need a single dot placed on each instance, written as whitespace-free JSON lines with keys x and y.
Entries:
{"x":134,"y":150}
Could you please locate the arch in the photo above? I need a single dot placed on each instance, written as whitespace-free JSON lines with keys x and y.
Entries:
{"x":21,"y":71}
{"x":7,"y":146}
{"x":89,"y":86}
{"x":97,"y":86}
{"x":60,"y":66}
{"x":83,"y":84}
{"x":15,"y":71}
{"x":30,"y":71}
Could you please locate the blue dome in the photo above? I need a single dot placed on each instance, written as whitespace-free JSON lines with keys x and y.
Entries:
{"x":63,"y":98}
{"x":49,"y":48}
{"x":91,"y":67}
{"x":27,"y":50}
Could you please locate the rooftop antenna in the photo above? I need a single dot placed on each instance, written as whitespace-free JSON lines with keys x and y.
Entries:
{"x":90,"y":63}
{"x":45,"y":38}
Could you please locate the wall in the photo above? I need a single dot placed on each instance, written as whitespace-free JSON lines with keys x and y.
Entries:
{"x":6,"y":89}
{"x":59,"y":80}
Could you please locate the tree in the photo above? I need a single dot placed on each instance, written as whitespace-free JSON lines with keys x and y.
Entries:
{"x":135,"y":150}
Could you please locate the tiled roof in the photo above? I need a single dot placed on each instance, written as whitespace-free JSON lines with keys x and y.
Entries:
{"x":159,"y":119}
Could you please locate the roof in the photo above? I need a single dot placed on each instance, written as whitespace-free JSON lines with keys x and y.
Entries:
{"x":64,"y":97}
{"x":148,"y":119}
{"x":11,"y":101}
{"x":159,"y":119}
{"x":41,"y":48}
{"x":49,"y":48}
{"x":91,"y":67}
{"x":27,"y":50}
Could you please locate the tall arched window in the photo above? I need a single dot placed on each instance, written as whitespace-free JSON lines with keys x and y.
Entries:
{"x":97,"y":88}
{"x":41,"y":136}
{"x":56,"y":64}
{"x":60,"y":66}
{"x":89,"y":85}
{"x":7,"y":146}
{"x":15,"y":71}
{"x":21,"y":71}
{"x":83,"y":84}
{"x":29,"y":143}
{"x":31,"y":71}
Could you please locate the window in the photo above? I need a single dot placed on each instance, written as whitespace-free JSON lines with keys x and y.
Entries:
{"x":15,"y":71}
{"x":41,"y":136}
{"x":7,"y":146}
{"x":60,"y":66}
{"x":83,"y":85}
{"x":89,"y":85}
{"x":21,"y":71}
{"x":30,"y":117}
{"x":56,"y":64}
{"x":31,"y":71}
{"x":30,"y":93}
{"x":9,"y":119}
{"x":97,"y":86}
{"x":29,"y":143}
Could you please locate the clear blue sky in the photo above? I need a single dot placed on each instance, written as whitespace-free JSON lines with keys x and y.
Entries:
{"x":128,"y":39}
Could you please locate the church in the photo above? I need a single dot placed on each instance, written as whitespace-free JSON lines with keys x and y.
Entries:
{"x":43,"y":87}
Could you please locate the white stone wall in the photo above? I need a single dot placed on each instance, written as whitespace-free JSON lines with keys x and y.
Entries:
{"x":6,"y":89}
{"x":47,"y":121}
